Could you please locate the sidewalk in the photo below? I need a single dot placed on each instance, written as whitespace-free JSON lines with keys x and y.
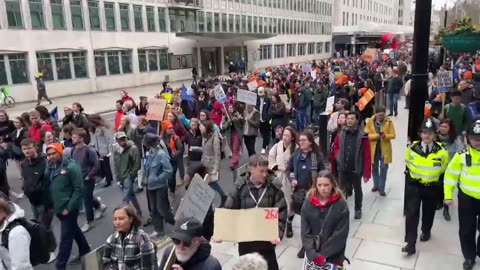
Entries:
{"x":100,"y":102}
{"x":376,"y":240}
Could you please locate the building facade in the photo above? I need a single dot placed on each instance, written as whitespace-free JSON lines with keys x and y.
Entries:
{"x":84,"y":46}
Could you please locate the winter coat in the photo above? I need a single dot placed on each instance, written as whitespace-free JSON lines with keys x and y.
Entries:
{"x":388,"y":129}
{"x":102,"y":140}
{"x":201,"y":260}
{"x":320,"y":99}
{"x":267,"y":102}
{"x":363,"y":158}
{"x":195,"y":142}
{"x":211,"y":155}
{"x":17,"y":256}
{"x":33,"y":172}
{"x":333,"y":217}
{"x":180,"y":131}
{"x":234,"y":123}
{"x":252,"y":123}
{"x":279,"y":115}
{"x":158,"y":169}
{"x":6,"y":128}
{"x":127,"y":160}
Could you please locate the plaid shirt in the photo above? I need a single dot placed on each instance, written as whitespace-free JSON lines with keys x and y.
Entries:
{"x":135,"y":252}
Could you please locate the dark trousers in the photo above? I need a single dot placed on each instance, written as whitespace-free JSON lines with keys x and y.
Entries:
{"x":88,"y":201}
{"x":172,"y":183}
{"x":45,"y":216}
{"x":267,"y":253}
{"x":468,"y":213}
{"x":160,"y":208}
{"x":250,"y":144}
{"x":265,"y":131}
{"x":69,"y":232}
{"x":352,"y":182}
{"x":106,"y":170}
{"x":417,"y":195}
{"x":42,"y":94}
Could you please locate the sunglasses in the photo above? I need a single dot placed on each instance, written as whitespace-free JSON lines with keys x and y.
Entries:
{"x":177,"y":242}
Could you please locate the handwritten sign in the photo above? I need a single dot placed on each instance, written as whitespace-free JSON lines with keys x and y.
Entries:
{"x":247,"y":97}
{"x":197,"y":200}
{"x":252,"y":85}
{"x":329,"y":106}
{"x":156,"y":109}
{"x":313,"y":73}
{"x":445,"y":81}
{"x":220,"y":94}
{"x":369,"y":55}
{"x":246,"y":225}
{"x":307,"y":68}
{"x":284,"y":99}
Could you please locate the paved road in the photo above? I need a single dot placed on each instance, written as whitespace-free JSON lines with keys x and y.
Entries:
{"x":112,"y":196}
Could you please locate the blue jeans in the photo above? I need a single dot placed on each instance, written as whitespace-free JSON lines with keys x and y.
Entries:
{"x":215,"y":186}
{"x":89,"y":186}
{"x":129,"y":195}
{"x":69,"y":232}
{"x":379,"y":173}
{"x":300,"y":119}
{"x":393,"y":105}
{"x":308,"y":114}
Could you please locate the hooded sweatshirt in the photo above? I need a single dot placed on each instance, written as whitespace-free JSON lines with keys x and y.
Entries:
{"x":201,"y":260}
{"x":17,"y":256}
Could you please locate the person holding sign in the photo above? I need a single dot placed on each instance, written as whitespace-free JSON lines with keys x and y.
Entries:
{"x":259,"y":188}
{"x":325,"y":223}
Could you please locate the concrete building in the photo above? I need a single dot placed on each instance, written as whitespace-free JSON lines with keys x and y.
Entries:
{"x":359,"y":24}
{"x":85,"y":46}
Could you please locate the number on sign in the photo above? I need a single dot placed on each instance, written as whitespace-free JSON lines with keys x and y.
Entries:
{"x":271,"y":214}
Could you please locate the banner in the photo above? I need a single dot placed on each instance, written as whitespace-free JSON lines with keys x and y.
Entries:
{"x":156,"y":109}
{"x":246,"y":225}
{"x":445,"y":81}
{"x":365,"y":99}
{"x":247,"y":97}
{"x":197,"y":200}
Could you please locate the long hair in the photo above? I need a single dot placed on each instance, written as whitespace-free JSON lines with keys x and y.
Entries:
{"x":294,"y":133}
{"x":97,"y":121}
{"x":132,"y":213}
{"x":207,"y":113}
{"x":452,"y":132}
{"x":324,"y":174}
{"x":209,"y":129}
{"x":311,"y":139}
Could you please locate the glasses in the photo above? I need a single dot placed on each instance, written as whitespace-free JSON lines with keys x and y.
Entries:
{"x":16,"y":122}
{"x":178,"y":242}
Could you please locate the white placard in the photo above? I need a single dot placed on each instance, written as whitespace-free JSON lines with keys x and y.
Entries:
{"x":306,"y":68}
{"x":313,"y":73}
{"x":252,"y":86}
{"x":220,"y":94}
{"x":197,"y":200}
{"x":247,"y":97}
{"x":445,"y":81}
{"x":330,"y":102}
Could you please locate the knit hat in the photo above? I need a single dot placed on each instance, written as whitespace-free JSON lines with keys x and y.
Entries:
{"x":166,"y":124}
{"x":57,"y":147}
{"x":467,"y":75}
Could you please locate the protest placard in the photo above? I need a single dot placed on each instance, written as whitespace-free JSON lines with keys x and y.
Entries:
{"x":306,"y":68}
{"x":220,"y":94}
{"x":156,"y":109}
{"x":247,"y":97}
{"x":445,"y":81}
{"x":246,"y":225}
{"x":196,"y":201}
{"x":330,"y":102}
{"x":369,"y":55}
{"x":313,"y":73}
{"x":252,"y":85}
{"x":284,"y":99}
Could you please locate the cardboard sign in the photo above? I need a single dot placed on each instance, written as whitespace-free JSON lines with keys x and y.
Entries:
{"x":284,"y":99}
{"x":369,"y":55}
{"x":220,"y":94}
{"x":307,"y":68}
{"x":156,"y":109}
{"x":247,"y":97}
{"x":246,"y":225}
{"x":252,"y":86}
{"x":197,"y":200}
{"x":313,"y":73}
{"x":445,"y":81}
{"x":329,"y":106}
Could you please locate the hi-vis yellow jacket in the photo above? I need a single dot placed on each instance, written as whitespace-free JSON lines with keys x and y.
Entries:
{"x":426,"y":169}
{"x":466,"y":177}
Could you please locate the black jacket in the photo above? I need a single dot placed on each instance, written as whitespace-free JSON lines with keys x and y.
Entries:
{"x":194,"y":141}
{"x":201,"y":260}
{"x":33,"y":171}
{"x":267,"y":102}
{"x":6,"y":129}
{"x":240,"y":199}
{"x":279,"y":115}
{"x":335,"y":228}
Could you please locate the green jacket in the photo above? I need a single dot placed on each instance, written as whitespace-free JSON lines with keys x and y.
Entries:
{"x":237,"y":123}
{"x":65,"y":182}
{"x":305,"y":98}
{"x":320,"y":99}
{"x":127,"y":160}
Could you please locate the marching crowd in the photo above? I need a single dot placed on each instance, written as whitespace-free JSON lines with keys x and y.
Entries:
{"x":59,"y":163}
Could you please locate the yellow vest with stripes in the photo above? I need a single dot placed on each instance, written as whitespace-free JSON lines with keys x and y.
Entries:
{"x":467,"y":178}
{"x":426,"y":169}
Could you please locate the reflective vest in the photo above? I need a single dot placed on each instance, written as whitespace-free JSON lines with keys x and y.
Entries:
{"x":426,"y":169}
{"x":467,"y":178}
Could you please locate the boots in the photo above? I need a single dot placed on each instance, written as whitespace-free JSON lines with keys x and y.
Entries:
{"x":301,"y":253}
{"x":289,"y":232}
{"x":446,"y":213}
{"x":222,"y":203}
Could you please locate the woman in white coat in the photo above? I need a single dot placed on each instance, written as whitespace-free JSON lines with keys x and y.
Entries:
{"x":278,"y":158}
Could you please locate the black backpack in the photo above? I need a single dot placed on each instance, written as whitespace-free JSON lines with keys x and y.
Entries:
{"x":40,"y":245}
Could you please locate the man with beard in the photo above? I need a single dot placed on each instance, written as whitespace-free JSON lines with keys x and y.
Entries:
{"x":191,"y":250}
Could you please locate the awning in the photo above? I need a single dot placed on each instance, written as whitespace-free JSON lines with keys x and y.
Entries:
{"x":212,"y":36}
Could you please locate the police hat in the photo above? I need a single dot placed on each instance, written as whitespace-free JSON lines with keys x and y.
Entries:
{"x":474,"y":129}
{"x":428,"y":125}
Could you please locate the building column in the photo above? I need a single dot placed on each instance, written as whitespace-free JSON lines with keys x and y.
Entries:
{"x":199,"y":62}
{"x":222,"y":57}
{"x":353,"y":44}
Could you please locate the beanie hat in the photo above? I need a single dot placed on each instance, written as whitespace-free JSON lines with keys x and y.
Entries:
{"x":57,"y":147}
{"x":166,"y":124}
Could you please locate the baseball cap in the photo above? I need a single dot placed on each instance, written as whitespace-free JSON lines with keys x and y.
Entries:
{"x":186,"y":229}
{"x":150,"y":140}
{"x":120,"y":135}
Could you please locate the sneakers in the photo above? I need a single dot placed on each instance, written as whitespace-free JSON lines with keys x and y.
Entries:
{"x":382,"y":193}
{"x":263,"y":151}
{"x":468,"y":264}
{"x":289,"y":232}
{"x":374,"y":189}
{"x":87,"y":227}
{"x":75,"y":260}
{"x":301,"y":253}
{"x":358,"y":214}
{"x":100,"y":212}
{"x":156,"y":235}
{"x":409,"y":249}
{"x":53,"y":257}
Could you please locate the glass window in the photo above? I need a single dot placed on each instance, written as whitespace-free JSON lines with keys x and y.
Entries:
{"x":36,"y":14}
{"x":181,"y":21}
{"x":124,"y":17}
{"x":100,"y":68}
{"x":319,"y":47}
{"x":80,"y":64}
{"x":209,"y":22}
{"x":201,"y":21}
{"x":255,"y":24}
{"x":62,"y":62}
{"x":224,"y":22}
{"x":126,"y":61}
{"x":14,"y":13}
{"x":173,"y":20}
{"x":113,"y":63}
{"x":237,"y":24}
{"x":244,"y":24}
{"x":94,"y":15}
{"x":142,"y":60}
{"x":291,"y":50}
{"x":110,"y":16}
{"x":18,"y":68}
{"x":249,"y":24}
{"x":3,"y":71}
{"x":216,"y":19}
{"x":44,"y":63}
{"x":138,"y":18}
{"x":77,"y":14}
{"x":163,"y":59}
{"x":327,"y":47}
{"x":57,"y":14}
{"x":280,"y":51}
{"x":191,"y":22}
{"x":311,"y":48}
{"x":301,"y":48}
{"x":152,"y":60}
{"x":265,"y":52}
{"x":161,"y":19}
{"x":151,"y":19}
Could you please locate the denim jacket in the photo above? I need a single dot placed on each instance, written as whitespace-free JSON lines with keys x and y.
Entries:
{"x":157,"y":169}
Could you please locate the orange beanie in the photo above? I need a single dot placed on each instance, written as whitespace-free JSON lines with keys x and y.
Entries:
{"x":467,"y":75}
{"x":57,"y":147}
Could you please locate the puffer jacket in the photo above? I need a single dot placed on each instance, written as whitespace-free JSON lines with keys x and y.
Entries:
{"x":157,"y":168}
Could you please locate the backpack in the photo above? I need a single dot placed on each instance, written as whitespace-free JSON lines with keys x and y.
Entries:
{"x":40,"y":244}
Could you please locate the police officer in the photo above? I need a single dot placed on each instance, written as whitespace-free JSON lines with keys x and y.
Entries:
{"x":464,"y":172}
{"x":426,"y":160}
